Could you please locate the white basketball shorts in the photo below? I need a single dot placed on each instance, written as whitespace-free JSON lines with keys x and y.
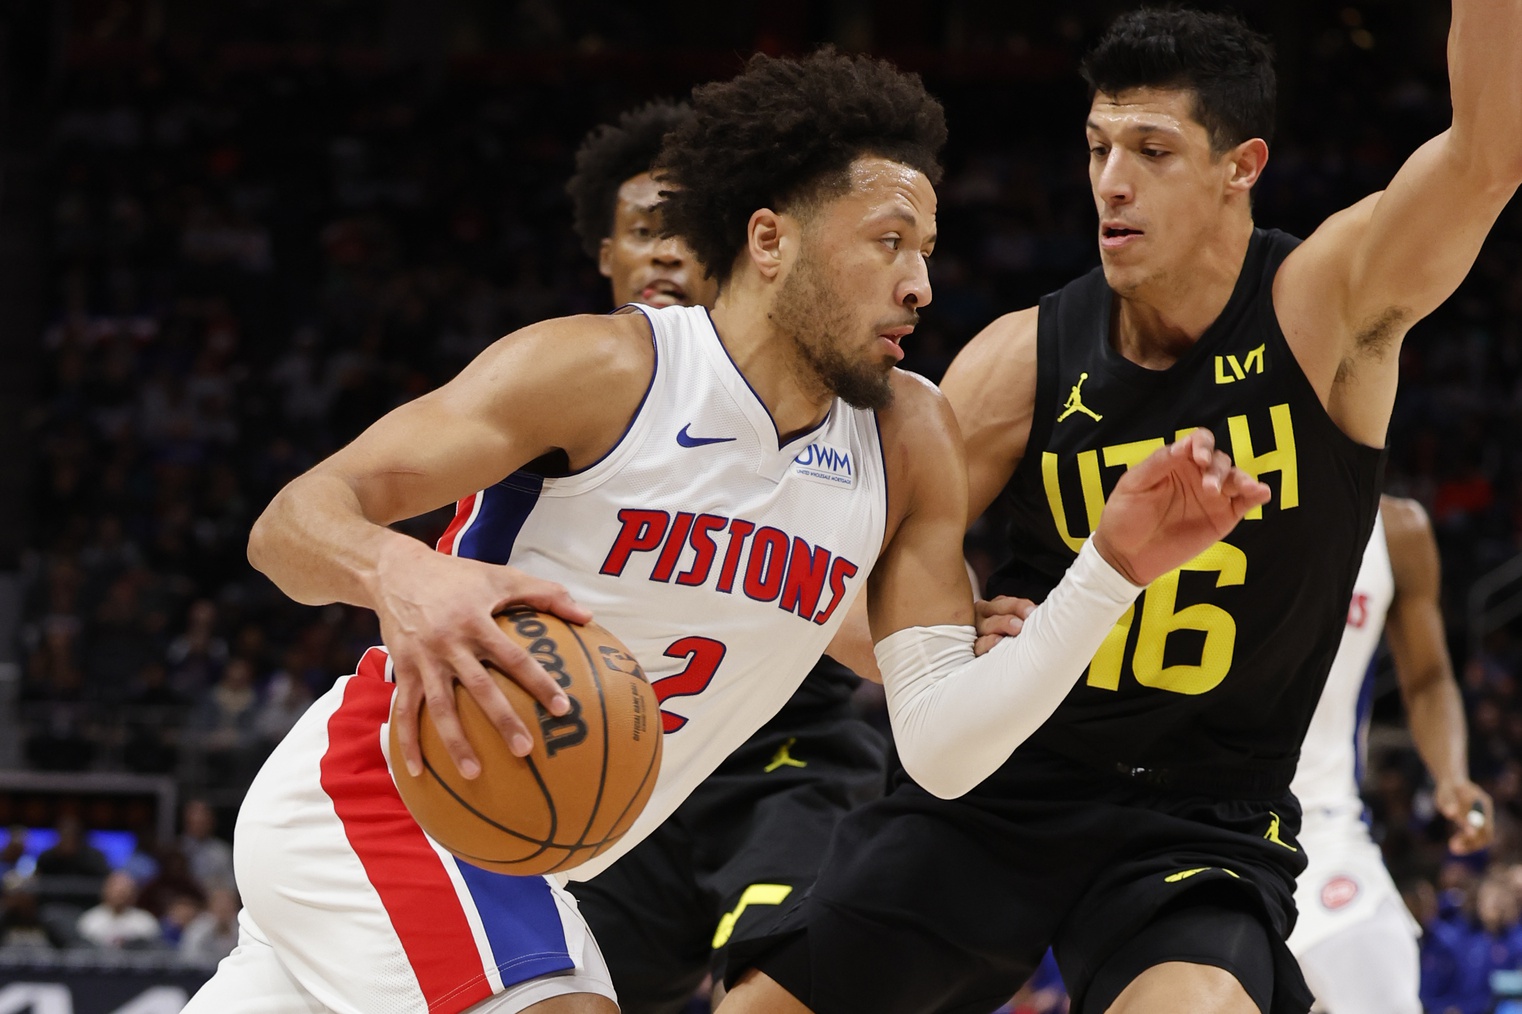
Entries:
{"x":365,"y":914}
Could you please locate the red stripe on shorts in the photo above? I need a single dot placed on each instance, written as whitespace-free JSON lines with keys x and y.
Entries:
{"x":457,"y":524}
{"x":401,"y":865}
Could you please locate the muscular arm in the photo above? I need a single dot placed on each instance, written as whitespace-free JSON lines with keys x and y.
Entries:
{"x":1348,"y":295}
{"x":991,"y":387}
{"x":571,"y":384}
{"x":1414,"y":630}
{"x":956,"y":718}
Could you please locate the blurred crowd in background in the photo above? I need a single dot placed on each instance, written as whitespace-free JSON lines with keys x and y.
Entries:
{"x":268,"y":229}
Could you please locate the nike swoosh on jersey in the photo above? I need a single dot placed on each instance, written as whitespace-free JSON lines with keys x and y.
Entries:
{"x":687,"y":440}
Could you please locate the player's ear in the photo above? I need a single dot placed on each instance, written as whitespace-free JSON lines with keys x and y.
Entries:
{"x":766,"y":241}
{"x":605,"y":257}
{"x":1245,"y":163}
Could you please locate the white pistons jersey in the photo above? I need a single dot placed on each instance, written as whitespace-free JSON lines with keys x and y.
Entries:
{"x":723,"y":560}
{"x":1331,"y":757}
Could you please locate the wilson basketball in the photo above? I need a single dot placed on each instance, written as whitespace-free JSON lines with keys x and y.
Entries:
{"x":588,"y":776}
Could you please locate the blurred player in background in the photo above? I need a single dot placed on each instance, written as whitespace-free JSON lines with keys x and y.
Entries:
{"x":1355,"y":940}
{"x":754,"y":832}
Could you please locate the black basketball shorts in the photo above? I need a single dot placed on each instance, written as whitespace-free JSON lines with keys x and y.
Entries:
{"x":746,"y":843}
{"x":928,"y":905}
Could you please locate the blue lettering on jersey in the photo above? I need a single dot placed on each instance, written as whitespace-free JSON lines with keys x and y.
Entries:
{"x":825,"y":463}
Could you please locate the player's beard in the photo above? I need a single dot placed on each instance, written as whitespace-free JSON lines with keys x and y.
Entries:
{"x":812,"y":314}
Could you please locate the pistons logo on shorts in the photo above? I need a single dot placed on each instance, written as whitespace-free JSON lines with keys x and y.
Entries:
{"x":1338,"y":892}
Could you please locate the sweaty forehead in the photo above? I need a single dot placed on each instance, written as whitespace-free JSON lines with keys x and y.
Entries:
{"x":886,"y":184}
{"x":1169,"y":108}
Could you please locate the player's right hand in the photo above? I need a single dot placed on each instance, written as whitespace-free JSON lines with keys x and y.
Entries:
{"x":1175,"y":504}
{"x":436,"y":619}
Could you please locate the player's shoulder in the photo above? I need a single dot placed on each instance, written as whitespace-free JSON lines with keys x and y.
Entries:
{"x":1010,"y":336}
{"x":917,"y":414}
{"x":1408,"y":529}
{"x":1404,"y":518}
{"x":615,"y":348}
{"x":1000,"y":360}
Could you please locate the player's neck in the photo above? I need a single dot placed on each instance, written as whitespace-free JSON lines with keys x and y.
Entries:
{"x":1160,"y":319}
{"x":769,"y":363}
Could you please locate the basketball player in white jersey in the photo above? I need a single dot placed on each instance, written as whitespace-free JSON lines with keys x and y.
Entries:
{"x":710,"y":878}
{"x":715,"y":489}
{"x":1355,"y":941}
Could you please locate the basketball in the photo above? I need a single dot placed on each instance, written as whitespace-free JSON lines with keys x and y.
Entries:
{"x":581,"y":787}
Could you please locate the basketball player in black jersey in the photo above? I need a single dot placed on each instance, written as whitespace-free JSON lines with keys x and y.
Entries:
{"x":1146,"y":829}
{"x":753,"y":834}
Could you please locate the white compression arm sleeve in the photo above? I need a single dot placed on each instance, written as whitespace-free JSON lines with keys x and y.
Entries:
{"x":956,"y":718}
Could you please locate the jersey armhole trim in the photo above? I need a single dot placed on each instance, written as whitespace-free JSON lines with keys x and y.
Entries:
{"x":634,"y":418}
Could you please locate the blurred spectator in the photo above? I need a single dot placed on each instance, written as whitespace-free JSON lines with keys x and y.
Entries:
{"x":213,"y":934}
{"x":223,"y":723}
{"x":1460,"y":953}
{"x":117,"y":922}
{"x":209,"y":858}
{"x":72,"y":855}
{"x":21,"y":925}
{"x":13,"y":851}
{"x":174,"y":880}
{"x":181,"y":912}
{"x":286,"y":698}
{"x":197,"y":655}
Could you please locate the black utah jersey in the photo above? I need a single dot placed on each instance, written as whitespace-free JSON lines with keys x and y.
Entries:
{"x":1218,"y":666}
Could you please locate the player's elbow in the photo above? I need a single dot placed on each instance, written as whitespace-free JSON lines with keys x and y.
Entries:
{"x":927,"y":765}
{"x":259,"y":543}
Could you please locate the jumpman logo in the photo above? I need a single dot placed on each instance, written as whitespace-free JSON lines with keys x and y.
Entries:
{"x":1272,"y":834}
{"x":1075,"y":402}
{"x":785,"y":759}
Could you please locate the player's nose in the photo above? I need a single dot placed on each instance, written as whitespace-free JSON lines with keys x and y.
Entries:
{"x":914,"y":290}
{"x":1114,"y":183}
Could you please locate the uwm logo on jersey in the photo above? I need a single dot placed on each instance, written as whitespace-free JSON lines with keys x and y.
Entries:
{"x":729,"y":555}
{"x":822,"y":462}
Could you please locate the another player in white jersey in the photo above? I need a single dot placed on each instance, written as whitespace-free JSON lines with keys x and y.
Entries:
{"x":1355,"y":941}
{"x":716,"y":490}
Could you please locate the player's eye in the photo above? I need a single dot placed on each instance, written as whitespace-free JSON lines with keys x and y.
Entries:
{"x":893,"y":242}
{"x":1098,"y":151}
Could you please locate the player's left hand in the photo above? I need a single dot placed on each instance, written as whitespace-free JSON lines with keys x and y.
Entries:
{"x":1178,"y":502}
{"x":1465,"y":804}
{"x":1004,"y":616}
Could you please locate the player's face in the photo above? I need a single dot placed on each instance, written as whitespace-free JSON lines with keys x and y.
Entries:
{"x":1157,"y":185}
{"x":643,"y":267}
{"x":854,"y":292}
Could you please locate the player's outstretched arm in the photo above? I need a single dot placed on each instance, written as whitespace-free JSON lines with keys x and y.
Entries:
{"x":569,"y":384}
{"x":1434,"y":709}
{"x":955,"y":717}
{"x":1348,"y":295}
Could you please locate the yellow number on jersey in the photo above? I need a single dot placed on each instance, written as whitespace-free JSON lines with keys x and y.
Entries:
{"x":1159,"y":618}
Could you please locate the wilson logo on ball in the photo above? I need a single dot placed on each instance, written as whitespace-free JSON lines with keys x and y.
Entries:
{"x":558,"y":731}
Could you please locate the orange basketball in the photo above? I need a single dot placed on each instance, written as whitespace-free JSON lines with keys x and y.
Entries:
{"x":588,"y":776}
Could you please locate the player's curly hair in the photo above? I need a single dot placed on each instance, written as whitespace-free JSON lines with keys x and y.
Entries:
{"x":1228,"y":66}
{"x":608,"y":156}
{"x":781,"y":134}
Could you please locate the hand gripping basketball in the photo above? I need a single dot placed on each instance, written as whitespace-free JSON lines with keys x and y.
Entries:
{"x":587,"y":776}
{"x":1180,"y":501}
{"x":435,"y":615}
